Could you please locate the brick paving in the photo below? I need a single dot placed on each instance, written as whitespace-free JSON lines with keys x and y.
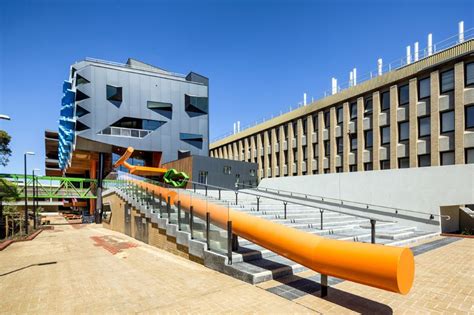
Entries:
{"x":95,"y":270}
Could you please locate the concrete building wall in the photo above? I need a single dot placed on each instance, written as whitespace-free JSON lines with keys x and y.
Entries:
{"x":397,"y":153}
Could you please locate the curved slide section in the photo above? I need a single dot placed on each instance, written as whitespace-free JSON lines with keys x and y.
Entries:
{"x":385,"y":267}
{"x":171,"y":176}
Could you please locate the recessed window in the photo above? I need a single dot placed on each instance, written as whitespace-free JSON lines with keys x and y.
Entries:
{"x":403,"y":95}
{"x":469,"y":73}
{"x":385,"y":164}
{"x":368,"y":106}
{"x":470,"y":156}
{"x":447,"y":158}
{"x":368,"y":166}
{"x":340,"y":145}
{"x":424,"y":88}
{"x":368,"y":137}
{"x":385,"y":103}
{"x":353,"y":168}
{"x":227,"y":170}
{"x":327,"y":119}
{"x":114,"y":93}
{"x":403,"y":131}
{"x":196,"y":105}
{"x":353,"y":143}
{"x":339,"y":114}
{"x":469,"y":117}
{"x":385,"y":134}
{"x":327,"y":148}
{"x":424,"y":160}
{"x":447,"y":81}
{"x":353,"y":108}
{"x":447,"y":121}
{"x":403,"y":163}
{"x":424,"y":126}
{"x":339,"y":169}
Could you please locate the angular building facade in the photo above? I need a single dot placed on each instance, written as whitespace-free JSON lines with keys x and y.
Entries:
{"x":107,"y":107}
{"x":421,"y":114}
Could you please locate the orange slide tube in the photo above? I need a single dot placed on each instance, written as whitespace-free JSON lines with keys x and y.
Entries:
{"x":385,"y":267}
{"x":138,"y":170}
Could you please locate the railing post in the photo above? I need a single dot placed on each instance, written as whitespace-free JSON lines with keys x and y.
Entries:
{"x":258,"y":203}
{"x":161,"y":206}
{"x":179,"y":215}
{"x":372,"y":230}
{"x":194,"y":187}
{"x":324,"y":285}
{"x":205,"y":187}
{"x":236,"y":197}
{"x":219,"y":194}
{"x":229,"y":242}
{"x":168,"y":208}
{"x":208,"y":229}
{"x":284,"y":208}
{"x":191,"y":219}
{"x":147,"y":199}
{"x":321,"y":211}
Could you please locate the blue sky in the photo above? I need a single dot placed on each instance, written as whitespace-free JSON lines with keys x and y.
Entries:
{"x":260,"y":56}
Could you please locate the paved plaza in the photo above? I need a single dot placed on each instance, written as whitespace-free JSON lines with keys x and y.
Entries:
{"x":89,"y":269}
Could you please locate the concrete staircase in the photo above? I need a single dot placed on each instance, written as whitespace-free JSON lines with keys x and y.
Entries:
{"x":251,"y":262}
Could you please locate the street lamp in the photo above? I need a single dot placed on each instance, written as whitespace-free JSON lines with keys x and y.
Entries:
{"x":35,"y":197}
{"x":4,"y":117}
{"x":26,"y":194}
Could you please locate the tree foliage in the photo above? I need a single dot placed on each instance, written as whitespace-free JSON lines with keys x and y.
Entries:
{"x":5,"y":151}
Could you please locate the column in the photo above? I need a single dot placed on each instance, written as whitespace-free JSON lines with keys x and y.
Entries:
{"x":266,"y":162}
{"x":253,"y":157}
{"x":273,"y":158}
{"x":332,"y":139}
{"x":345,"y":137}
{"x":299,"y":145}
{"x":246,"y":149}
{"x":459,"y":113}
{"x":360,"y":134}
{"x":309,"y":144}
{"x":413,"y":119}
{"x":376,"y":130}
{"x":259,"y":157}
{"x":393,"y":126}
{"x":434,"y":118}
{"x":290,"y":148}
{"x":282,"y":161}
{"x":321,"y":152}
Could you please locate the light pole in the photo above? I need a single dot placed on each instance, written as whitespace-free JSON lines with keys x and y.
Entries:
{"x":26,"y":194}
{"x":35,"y":197}
{"x":2,"y":222}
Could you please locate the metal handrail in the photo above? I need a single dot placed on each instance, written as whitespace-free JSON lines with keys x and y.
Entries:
{"x":394,"y":65}
{"x":342,"y":201}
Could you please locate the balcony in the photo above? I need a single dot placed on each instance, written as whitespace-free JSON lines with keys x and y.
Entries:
{"x":125,"y":132}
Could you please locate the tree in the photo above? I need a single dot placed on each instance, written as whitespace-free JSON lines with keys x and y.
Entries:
{"x":5,"y":151}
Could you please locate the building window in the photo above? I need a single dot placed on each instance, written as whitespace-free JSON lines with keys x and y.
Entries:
{"x":385,"y":165}
{"x":424,"y":126}
{"x":252,"y":172}
{"x":326,"y":171}
{"x":368,"y":166}
{"x":403,"y":163}
{"x":353,"y":143}
{"x":339,"y":169}
{"x":202,"y":178}
{"x":339,"y":114}
{"x":469,"y":117}
{"x":114,"y":93}
{"x":327,"y":119}
{"x":227,"y":170}
{"x":385,"y":104}
{"x":303,"y":122}
{"x":368,"y":106}
{"x":403,"y":95}
{"x":368,"y":137}
{"x":327,"y":148}
{"x":470,"y":156}
{"x":447,"y":81}
{"x":447,"y":121}
{"x":447,"y":158}
{"x":353,"y":168}
{"x":340,"y":145}
{"x":469,"y":73}
{"x":403,"y":131}
{"x":353,"y":107}
{"x":424,"y":160}
{"x":385,"y":134}
{"x":424,"y":88}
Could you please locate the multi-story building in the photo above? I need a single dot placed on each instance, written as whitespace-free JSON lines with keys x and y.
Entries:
{"x":421,"y":114}
{"x":108,"y":107}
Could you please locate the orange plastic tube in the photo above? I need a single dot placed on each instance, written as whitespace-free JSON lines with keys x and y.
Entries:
{"x":385,"y":267}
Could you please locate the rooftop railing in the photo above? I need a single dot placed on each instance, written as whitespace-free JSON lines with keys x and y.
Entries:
{"x":388,"y":67}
